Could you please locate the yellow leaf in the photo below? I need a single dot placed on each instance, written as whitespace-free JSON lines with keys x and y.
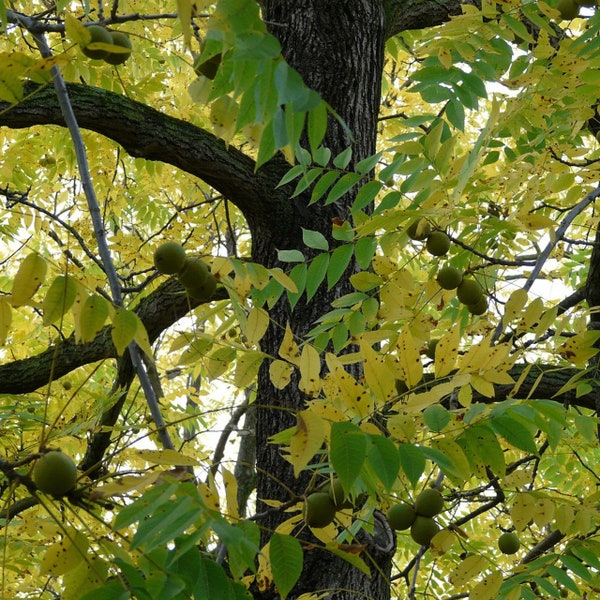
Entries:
{"x":280,"y":373}
{"x":59,"y":298}
{"x":76,"y":31}
{"x":310,"y":370}
{"x":92,"y":317}
{"x":532,"y":314}
{"x":141,"y":338}
{"x":533,"y":221}
{"x":223,"y":115}
{"x":565,"y":516}
{"x":246,"y":368}
{"x":410,"y":358}
{"x":365,"y":281}
{"x":445,"y":57}
{"x":484,"y":387}
{"x":306,"y":440}
{"x":29,"y":277}
{"x":344,"y":391}
{"x":289,"y":349}
{"x":124,"y":327}
{"x":65,"y":555}
{"x":256,"y":325}
{"x":259,"y":275}
{"x":231,"y":489}
{"x":488,"y":587}
{"x":184,"y":12}
{"x":446,"y":353}
{"x":468,"y":569}
{"x":171,"y":458}
{"x":5,"y":320}
{"x":544,"y":511}
{"x":521,"y":510}
{"x":514,"y":305}
{"x":218,"y":362}
{"x":127,"y":483}
{"x":380,"y":378}
{"x":287,"y":282}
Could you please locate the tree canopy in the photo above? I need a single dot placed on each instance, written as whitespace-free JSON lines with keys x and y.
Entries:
{"x":307,"y":291}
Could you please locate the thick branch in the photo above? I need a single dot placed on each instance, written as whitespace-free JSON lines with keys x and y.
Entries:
{"x":158,"y":311}
{"x":147,"y":133}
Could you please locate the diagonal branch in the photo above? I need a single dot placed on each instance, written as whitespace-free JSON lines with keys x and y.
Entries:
{"x":147,"y":133}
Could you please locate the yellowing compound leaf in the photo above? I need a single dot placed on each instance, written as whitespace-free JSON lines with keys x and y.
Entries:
{"x":521,"y":510}
{"x":310,"y":371}
{"x":446,"y":352}
{"x":231,"y":490}
{"x":246,"y":368}
{"x":344,"y":391}
{"x":306,"y":440}
{"x":514,"y":305}
{"x":580,"y":348}
{"x":409,"y":358}
{"x":62,"y":557}
{"x":280,"y":373}
{"x":29,"y":277}
{"x":380,"y":378}
{"x":59,"y":298}
{"x":124,"y":328}
{"x":165,"y":458}
{"x":468,"y":569}
{"x":287,"y":282}
{"x":256,"y":325}
{"x":488,"y":587}
{"x":91,"y":318}
{"x":5,"y":320}
{"x":289,"y":349}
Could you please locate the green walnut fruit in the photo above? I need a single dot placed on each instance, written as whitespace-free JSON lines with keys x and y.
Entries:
{"x":118,"y":38}
{"x":169,"y":258}
{"x":480,"y":308}
{"x":423,"y":530}
{"x":194,"y":272}
{"x":430,"y":351}
{"x":55,"y":473}
{"x":419,"y":230}
{"x":319,"y":510}
{"x":568,"y":9}
{"x":401,"y":516}
{"x":449,"y":277}
{"x":99,"y":34}
{"x":469,"y":292}
{"x":429,"y":503}
{"x":203,"y":291}
{"x":338,"y":496}
{"x":438,"y":243}
{"x":509,"y":543}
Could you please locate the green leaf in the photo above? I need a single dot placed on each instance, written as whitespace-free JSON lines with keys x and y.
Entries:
{"x":29,"y":277}
{"x":286,"y":556}
{"x":384,"y":459}
{"x":342,"y":186}
{"x":366,"y":195}
{"x":298,"y":276}
{"x":149,"y":502}
{"x":315,"y":239}
{"x":124,"y":328}
{"x":338,"y":263}
{"x":316,"y":274}
{"x":290,"y":256}
{"x":348,"y":451}
{"x":93,"y":315}
{"x":317,"y":126}
{"x":323,"y":185}
{"x":292,"y":174}
{"x":365,"y":251}
{"x":342,"y":160}
{"x":436,"y":417}
{"x":514,"y":432}
{"x":366,"y":165}
{"x":483,"y":443}
{"x":412,"y":461}
{"x":211,"y":581}
{"x":59,"y":298}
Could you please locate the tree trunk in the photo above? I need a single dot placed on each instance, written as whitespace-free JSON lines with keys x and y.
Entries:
{"x":337,"y":47}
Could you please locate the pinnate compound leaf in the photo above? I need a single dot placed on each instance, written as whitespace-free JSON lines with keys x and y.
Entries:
{"x":29,"y":277}
{"x":286,"y":558}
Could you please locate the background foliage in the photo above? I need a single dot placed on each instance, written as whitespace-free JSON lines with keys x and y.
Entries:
{"x":486,"y":131}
